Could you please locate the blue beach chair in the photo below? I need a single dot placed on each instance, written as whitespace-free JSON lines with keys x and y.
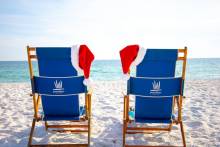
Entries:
{"x":156,"y":91}
{"x":58,"y":87}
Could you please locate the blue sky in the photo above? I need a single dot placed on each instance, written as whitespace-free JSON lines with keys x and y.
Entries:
{"x":108,"y":26}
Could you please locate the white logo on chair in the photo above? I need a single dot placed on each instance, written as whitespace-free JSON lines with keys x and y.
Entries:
{"x":156,"y":88}
{"x":58,"y":87}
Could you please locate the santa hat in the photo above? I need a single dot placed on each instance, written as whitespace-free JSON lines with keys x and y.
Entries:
{"x":81,"y":58}
{"x":131,"y":56}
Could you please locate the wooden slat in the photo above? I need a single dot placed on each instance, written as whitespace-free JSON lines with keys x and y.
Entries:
{"x":59,"y":145}
{"x":30,"y":63}
{"x":38,"y":102}
{"x":33,"y":56}
{"x":181,"y":50}
{"x":127,"y":107}
{"x":184,"y":63}
{"x":150,"y":146}
{"x":35,"y":106}
{"x":82,"y":119}
{"x":32,"y":49}
{"x":72,"y":131}
{"x":138,"y":132}
{"x":181,"y":58}
{"x":86,"y":105}
{"x":147,"y":129}
{"x":125,"y":104}
{"x":67,"y":126}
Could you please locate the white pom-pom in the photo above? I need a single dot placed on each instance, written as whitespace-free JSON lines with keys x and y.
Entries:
{"x":126,"y":77}
{"x":140,"y":56}
{"x":88,"y":83}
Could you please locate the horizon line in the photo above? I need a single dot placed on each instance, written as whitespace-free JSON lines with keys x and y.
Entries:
{"x":119,"y":59}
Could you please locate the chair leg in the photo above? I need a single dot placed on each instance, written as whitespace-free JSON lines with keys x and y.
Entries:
{"x":89,"y":131}
{"x":124,"y":132}
{"x":46,"y":125}
{"x":31,"y":133}
{"x":183,"y":135}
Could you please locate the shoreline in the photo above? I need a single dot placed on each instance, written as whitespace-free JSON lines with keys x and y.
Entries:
{"x":97,"y":81}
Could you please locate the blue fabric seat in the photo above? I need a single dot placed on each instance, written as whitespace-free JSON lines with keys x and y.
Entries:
{"x":150,"y":120}
{"x":54,"y":67}
{"x":157,"y":69}
{"x":65,"y":117}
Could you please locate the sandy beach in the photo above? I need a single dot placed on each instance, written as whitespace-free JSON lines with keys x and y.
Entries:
{"x":201,"y":116}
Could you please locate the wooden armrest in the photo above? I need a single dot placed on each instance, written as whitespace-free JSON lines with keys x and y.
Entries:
{"x":126,"y":107}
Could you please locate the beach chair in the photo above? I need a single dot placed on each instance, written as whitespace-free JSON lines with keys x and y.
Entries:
{"x":157,"y":92}
{"x":58,"y":87}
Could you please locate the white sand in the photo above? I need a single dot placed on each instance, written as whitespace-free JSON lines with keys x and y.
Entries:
{"x":201,"y":117}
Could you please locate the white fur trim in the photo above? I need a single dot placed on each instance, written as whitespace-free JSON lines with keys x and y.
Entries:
{"x":75,"y":58}
{"x":140,"y":56}
{"x":126,"y":77}
{"x":88,"y":83}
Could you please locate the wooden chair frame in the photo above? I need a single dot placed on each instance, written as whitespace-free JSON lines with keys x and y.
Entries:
{"x":79,"y":128}
{"x":182,"y":55}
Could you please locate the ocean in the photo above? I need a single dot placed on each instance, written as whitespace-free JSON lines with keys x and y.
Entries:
{"x":105,"y":70}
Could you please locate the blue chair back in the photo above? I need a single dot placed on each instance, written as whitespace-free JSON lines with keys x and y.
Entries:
{"x":157,"y":85}
{"x":58,"y":83}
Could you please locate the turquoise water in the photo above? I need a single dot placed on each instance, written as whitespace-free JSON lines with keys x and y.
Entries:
{"x":17,"y":71}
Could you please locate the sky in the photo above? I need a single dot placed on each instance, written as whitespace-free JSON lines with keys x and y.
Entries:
{"x":107,"y":26}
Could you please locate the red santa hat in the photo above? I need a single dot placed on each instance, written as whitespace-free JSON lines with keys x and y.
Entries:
{"x":131,"y":56}
{"x":81,"y":58}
